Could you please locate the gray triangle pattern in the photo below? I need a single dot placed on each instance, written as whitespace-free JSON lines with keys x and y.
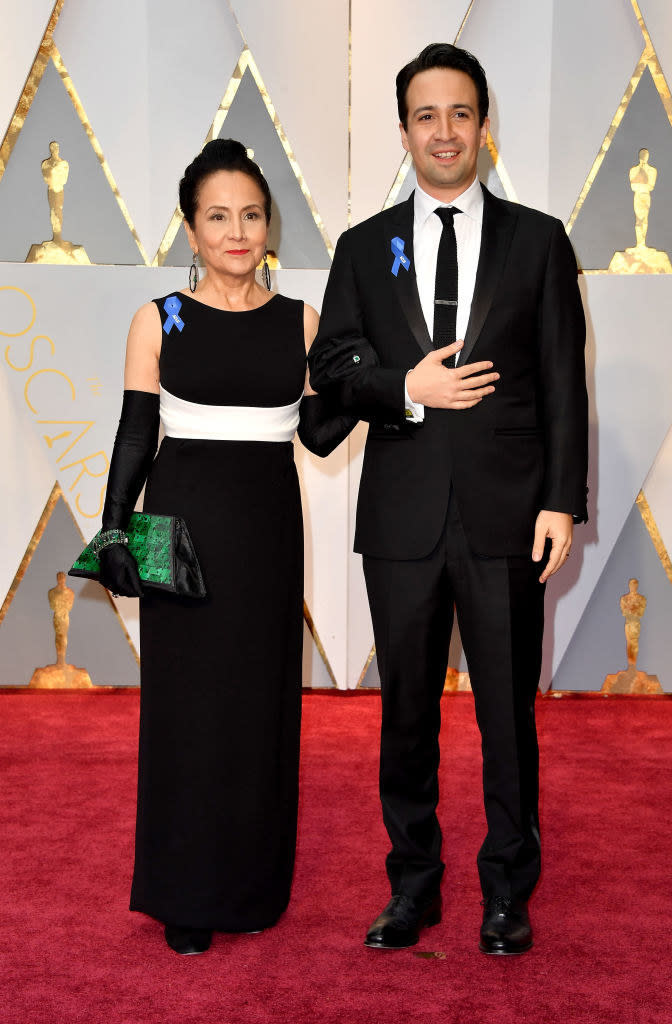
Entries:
{"x":598,"y":645}
{"x":314,"y":670}
{"x":293,"y":234}
{"x":96,"y":640}
{"x":371,"y":680}
{"x":91,"y":215}
{"x":606,"y":221}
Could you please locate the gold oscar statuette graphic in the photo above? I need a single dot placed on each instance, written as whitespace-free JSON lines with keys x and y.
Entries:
{"x":61,"y":675}
{"x":55,"y":173}
{"x":632,"y":679}
{"x":640,"y":258}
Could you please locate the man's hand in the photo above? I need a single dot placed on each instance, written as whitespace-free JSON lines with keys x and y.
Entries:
{"x":558,"y":526}
{"x":440,"y":387}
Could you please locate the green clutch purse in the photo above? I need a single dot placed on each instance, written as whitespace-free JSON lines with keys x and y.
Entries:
{"x":162,"y":547}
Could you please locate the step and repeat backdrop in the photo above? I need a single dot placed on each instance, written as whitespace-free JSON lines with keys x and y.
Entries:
{"x":101,"y":109}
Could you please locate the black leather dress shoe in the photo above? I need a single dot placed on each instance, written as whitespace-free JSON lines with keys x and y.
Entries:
{"x":399,"y":924}
{"x":506,"y":928}
{"x":188,"y":941}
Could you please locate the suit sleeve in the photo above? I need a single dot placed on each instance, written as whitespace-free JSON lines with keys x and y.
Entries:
{"x":343,"y":361}
{"x":563,"y":382}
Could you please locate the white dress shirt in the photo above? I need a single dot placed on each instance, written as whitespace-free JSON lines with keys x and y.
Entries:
{"x":426,"y":237}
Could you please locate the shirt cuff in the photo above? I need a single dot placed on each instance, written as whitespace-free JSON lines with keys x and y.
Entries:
{"x":414,"y":411}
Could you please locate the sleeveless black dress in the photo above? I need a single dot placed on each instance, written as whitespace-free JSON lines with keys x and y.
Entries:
{"x":221,"y":677}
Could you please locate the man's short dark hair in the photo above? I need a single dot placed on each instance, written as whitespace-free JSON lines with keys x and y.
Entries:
{"x":443,"y":55}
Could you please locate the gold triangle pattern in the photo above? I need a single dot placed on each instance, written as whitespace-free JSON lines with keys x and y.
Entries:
{"x":402,"y":173}
{"x":654,"y":534}
{"x":49,"y":51}
{"x":464,"y":22}
{"x":318,"y":643}
{"x":56,"y":494}
{"x":368,"y":661}
{"x":247,"y":62}
{"x":26,"y":98}
{"x":53,"y":499}
{"x":648,"y":59}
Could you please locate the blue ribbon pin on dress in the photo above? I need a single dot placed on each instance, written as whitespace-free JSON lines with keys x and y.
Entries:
{"x":172,"y":306}
{"x":399,"y":256}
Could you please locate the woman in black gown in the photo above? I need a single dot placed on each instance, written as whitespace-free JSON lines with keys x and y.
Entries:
{"x":225,"y":365}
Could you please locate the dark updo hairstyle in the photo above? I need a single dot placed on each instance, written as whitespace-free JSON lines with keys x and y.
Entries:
{"x":219,"y":155}
{"x":443,"y":55}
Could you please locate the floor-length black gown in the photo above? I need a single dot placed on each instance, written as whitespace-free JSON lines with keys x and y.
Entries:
{"x":221,"y":677}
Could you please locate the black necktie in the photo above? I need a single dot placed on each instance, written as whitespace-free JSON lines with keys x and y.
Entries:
{"x":445,"y":288}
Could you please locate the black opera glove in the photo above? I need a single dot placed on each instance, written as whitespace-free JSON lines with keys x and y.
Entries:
{"x":119,"y":571}
{"x":132,"y":456}
{"x":322,"y":425}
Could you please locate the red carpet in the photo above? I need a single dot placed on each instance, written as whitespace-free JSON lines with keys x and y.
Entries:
{"x":71,"y":952}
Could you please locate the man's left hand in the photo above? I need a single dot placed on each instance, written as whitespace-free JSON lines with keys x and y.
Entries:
{"x":558,"y":526}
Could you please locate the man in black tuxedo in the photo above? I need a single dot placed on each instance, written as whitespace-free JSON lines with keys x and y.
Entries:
{"x":460,"y":337}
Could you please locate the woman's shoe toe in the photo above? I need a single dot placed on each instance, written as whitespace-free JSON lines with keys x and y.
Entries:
{"x":188,"y":941}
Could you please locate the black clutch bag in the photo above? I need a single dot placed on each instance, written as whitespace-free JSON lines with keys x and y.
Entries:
{"x":162,"y":547}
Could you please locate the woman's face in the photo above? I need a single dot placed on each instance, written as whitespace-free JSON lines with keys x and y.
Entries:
{"x":230,"y":227}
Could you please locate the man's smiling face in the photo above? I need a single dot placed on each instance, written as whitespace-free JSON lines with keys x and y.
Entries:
{"x":442,"y":133}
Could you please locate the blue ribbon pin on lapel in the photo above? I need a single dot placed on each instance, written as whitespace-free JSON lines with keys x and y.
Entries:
{"x":399,"y":256}
{"x":172,"y":306}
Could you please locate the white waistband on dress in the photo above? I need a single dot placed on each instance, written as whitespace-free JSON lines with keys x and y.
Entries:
{"x":227,"y":422}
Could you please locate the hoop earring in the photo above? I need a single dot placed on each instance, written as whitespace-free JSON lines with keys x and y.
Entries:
{"x":193,"y":273}
{"x":265,"y":271}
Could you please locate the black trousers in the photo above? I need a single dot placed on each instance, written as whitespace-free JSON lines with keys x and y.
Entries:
{"x":499,"y":604}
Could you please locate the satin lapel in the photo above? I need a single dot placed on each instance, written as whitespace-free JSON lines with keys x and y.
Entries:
{"x":400,"y":224}
{"x":499,"y":221}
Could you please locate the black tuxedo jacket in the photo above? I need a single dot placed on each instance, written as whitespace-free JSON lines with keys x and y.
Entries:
{"x":522,"y":448}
